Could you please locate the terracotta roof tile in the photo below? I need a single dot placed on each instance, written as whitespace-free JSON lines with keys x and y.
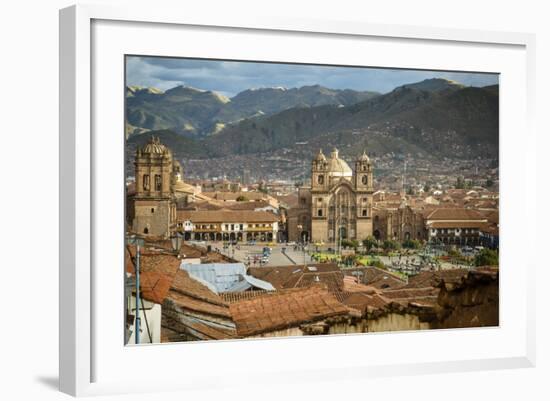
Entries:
{"x":285,"y":309}
{"x":454,"y":214}
{"x":154,"y":286}
{"x":226,"y":216}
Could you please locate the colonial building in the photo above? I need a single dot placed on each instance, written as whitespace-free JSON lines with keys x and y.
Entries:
{"x":455,"y":226}
{"x":338,"y":203}
{"x":218,"y":225}
{"x":398,"y":223}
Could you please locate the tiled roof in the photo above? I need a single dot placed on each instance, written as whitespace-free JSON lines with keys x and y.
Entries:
{"x":231,"y":297}
{"x":365,"y":302}
{"x":152,"y":261}
{"x":291,"y":276}
{"x":189,"y":302}
{"x":184,"y":286}
{"x":154,"y":286}
{"x":249,"y":205}
{"x":235,"y":195}
{"x":227,"y":216}
{"x":375,"y":277}
{"x":454,"y":214}
{"x":351,"y":285}
{"x":456,"y":224}
{"x":284,"y":309}
{"x":432,"y":279}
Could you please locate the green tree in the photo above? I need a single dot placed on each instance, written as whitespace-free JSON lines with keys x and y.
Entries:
{"x":241,"y":198}
{"x":390,"y":245}
{"x":378,"y":263}
{"x":411,"y":244}
{"x":427,"y":188}
{"x":459,"y":182}
{"x":369,"y":243}
{"x":486,"y":257}
{"x":346,"y":243}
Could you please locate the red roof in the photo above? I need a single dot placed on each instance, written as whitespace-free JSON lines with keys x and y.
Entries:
{"x":284,"y":309}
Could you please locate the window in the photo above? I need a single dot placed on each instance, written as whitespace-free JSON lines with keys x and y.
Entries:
{"x":152,"y":210}
{"x":240,"y":227}
{"x":232,"y":227}
{"x":146,"y":182}
{"x":320,"y":212}
{"x":364,"y":212}
{"x":321,"y":179}
{"x":145,"y":230}
{"x":158,"y":182}
{"x":319,"y":200}
{"x":364,"y":180}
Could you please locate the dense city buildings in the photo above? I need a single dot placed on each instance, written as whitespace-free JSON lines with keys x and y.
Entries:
{"x":310,"y":211}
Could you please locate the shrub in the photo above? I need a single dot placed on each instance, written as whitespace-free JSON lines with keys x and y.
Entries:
{"x":486,"y":257}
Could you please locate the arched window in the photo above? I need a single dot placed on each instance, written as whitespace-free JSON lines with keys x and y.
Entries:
{"x":364,"y":212}
{"x":320,"y":212}
{"x":146,"y":182}
{"x":158,"y":182}
{"x":320,"y":179}
{"x":364,"y":180}
{"x":145,"y":230}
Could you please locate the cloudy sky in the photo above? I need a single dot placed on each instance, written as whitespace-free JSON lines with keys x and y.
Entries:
{"x":231,"y":77}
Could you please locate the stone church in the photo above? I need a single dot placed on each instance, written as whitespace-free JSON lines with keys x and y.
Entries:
{"x":338,"y":203}
{"x":154,"y":201}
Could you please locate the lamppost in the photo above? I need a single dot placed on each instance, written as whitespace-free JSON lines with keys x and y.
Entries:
{"x":138,"y":242}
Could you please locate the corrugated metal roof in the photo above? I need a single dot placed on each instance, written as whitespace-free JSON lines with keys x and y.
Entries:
{"x":261,"y":284}
{"x":225,"y":277}
{"x":221,"y":275}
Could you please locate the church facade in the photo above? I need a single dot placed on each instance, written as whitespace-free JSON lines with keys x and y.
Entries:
{"x":338,"y":203}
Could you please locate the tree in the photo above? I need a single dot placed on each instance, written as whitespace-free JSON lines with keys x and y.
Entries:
{"x":411,"y":244}
{"x":369,"y":243}
{"x":486,"y":257}
{"x":459,"y":182}
{"x":390,"y":245}
{"x":489,"y":183}
{"x":346,"y":243}
{"x":241,"y":198}
{"x":427,"y":188}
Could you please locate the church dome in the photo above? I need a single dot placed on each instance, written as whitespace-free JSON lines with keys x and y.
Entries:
{"x":338,"y":167}
{"x":320,"y":156}
{"x":154,"y":147}
{"x":364,"y":157}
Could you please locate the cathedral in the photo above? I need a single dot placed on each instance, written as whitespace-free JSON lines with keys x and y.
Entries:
{"x":338,"y":203}
{"x":158,"y":191}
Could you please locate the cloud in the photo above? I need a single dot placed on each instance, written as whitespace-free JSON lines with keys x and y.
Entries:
{"x":232,"y":77}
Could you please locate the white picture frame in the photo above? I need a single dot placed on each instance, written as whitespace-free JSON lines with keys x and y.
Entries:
{"x":81,"y":210}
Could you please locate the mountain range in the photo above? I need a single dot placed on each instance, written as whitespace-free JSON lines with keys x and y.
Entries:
{"x":198,"y":113}
{"x":434,"y":117}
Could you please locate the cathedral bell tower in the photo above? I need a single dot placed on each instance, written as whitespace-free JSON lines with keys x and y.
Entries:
{"x":319,"y":170}
{"x":363,"y":173}
{"x":154,"y":205}
{"x":363,"y":182}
